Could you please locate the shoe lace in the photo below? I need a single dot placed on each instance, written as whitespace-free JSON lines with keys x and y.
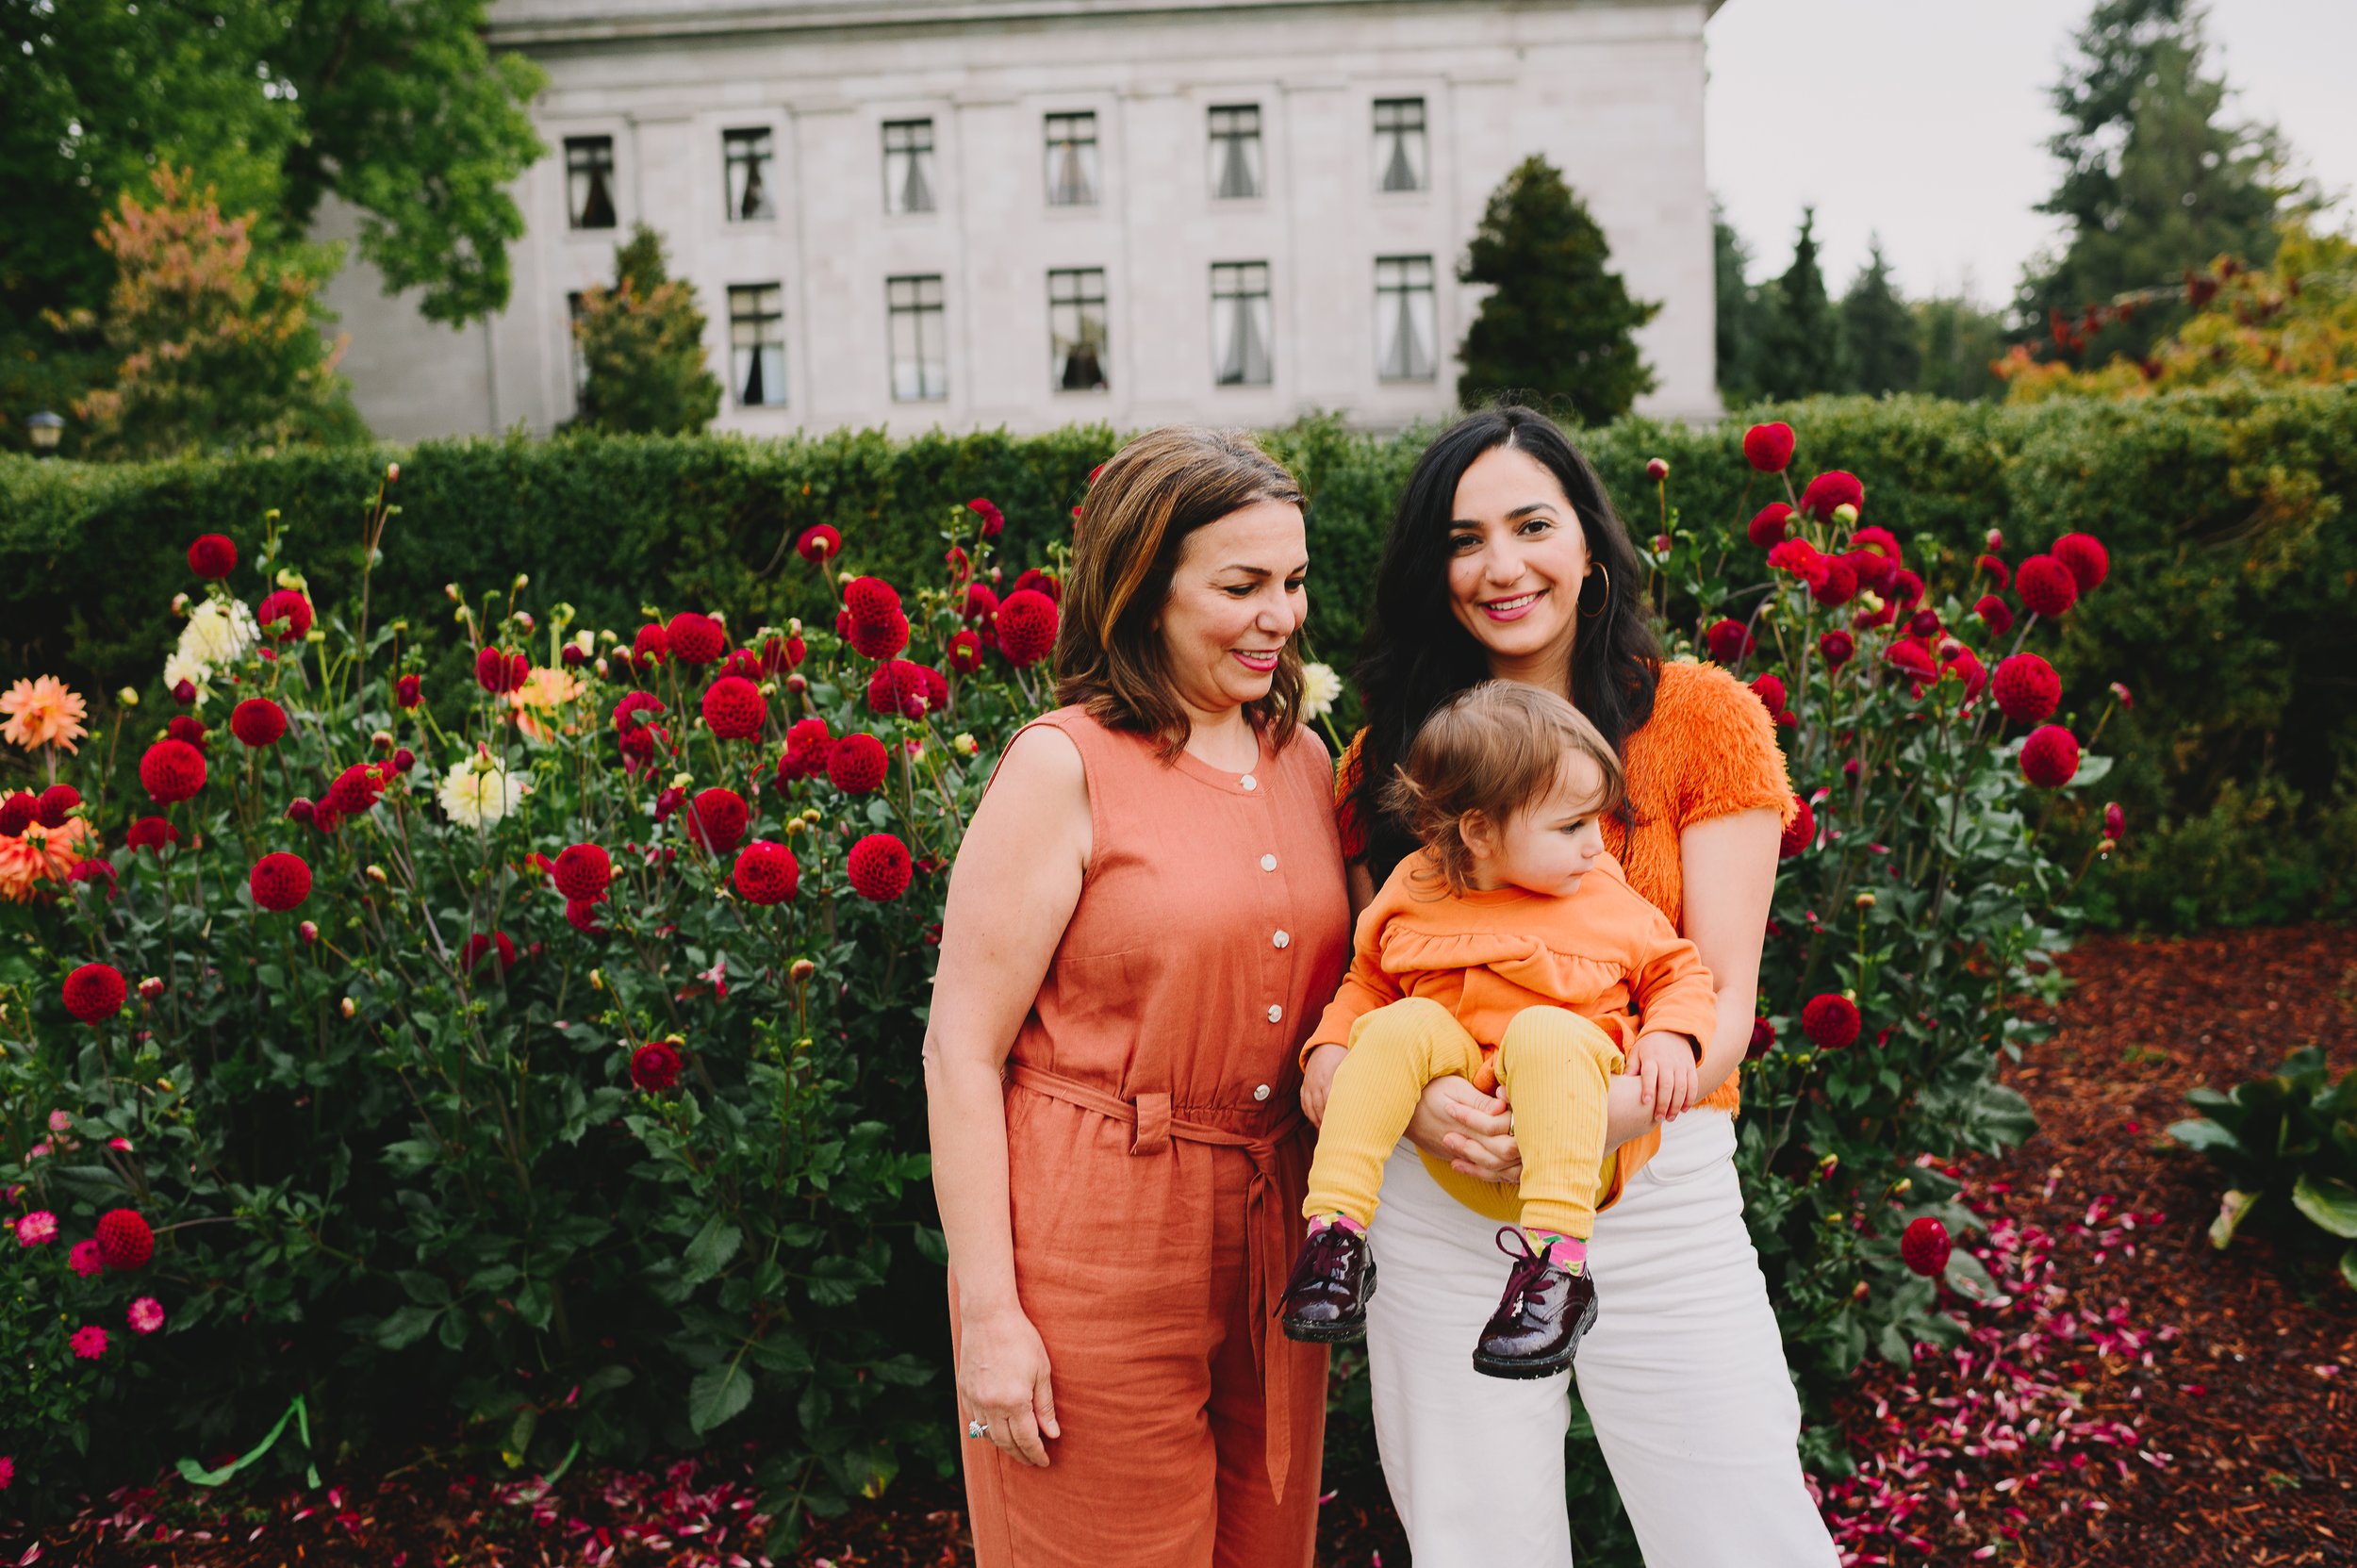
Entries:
{"x":1530,"y":1268}
{"x":1318,"y":1258}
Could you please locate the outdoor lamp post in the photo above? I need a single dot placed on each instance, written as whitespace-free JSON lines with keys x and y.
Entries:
{"x":44,"y":428}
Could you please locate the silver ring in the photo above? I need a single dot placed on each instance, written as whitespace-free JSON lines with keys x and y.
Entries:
{"x":978,"y":1429}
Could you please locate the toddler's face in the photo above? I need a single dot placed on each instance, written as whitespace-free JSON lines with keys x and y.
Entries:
{"x":1551,"y":845}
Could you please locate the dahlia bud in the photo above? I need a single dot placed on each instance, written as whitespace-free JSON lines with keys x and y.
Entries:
{"x":293,"y":581}
{"x":2105,"y":847}
{"x":584,"y":639}
{"x":1845,"y":515}
{"x":180,"y":605}
{"x":794,"y":627}
{"x":523,"y":618}
{"x":524,"y":580}
{"x":812,"y":815}
{"x":375,"y":873}
{"x":801,"y":970}
{"x":1869,"y":602}
{"x":300,"y":810}
{"x":2115,"y":820}
{"x":381,"y":739}
{"x":797,"y":682}
{"x":150,"y":988}
{"x":2120,"y":693}
{"x":309,"y":931}
{"x":1905,"y":1185}
{"x":796,"y":827}
{"x":682,"y":780}
{"x":1859,"y":1291}
{"x":128,"y":697}
{"x":845,"y":578}
{"x":403,"y":759}
{"x":184,"y":692}
{"x":1994,"y":540}
{"x":392,"y":472}
{"x":1865,"y":900}
{"x":599,"y":667}
{"x":597,"y":980}
{"x":1657,"y":470}
{"x":571,"y":657}
{"x":449,"y":591}
{"x":1828,"y":1165}
{"x":348,"y":1007}
{"x":963,"y":745}
{"x":1662,"y":544}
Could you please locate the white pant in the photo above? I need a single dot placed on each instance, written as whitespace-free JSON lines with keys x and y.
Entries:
{"x":1683,"y":1374}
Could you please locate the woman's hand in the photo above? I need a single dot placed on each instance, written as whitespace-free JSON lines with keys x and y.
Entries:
{"x":1457,"y":1122}
{"x":1317,"y":1080}
{"x":1003,"y":1382}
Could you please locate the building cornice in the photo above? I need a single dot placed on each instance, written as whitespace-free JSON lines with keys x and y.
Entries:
{"x":533,"y":23}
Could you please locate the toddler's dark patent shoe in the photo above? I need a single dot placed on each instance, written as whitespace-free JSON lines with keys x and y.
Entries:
{"x":1333,"y":1279}
{"x":1536,"y":1328}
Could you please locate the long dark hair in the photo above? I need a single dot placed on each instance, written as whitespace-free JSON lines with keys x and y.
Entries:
{"x":1418,"y":655}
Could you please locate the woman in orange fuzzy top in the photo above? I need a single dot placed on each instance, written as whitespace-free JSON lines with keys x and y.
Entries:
{"x":1506,"y":561}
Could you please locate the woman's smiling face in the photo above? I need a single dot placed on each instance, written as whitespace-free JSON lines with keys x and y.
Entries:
{"x":1235,"y":601}
{"x":1517,"y":560}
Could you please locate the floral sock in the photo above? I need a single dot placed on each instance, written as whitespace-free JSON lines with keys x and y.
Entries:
{"x":1568,"y":1253}
{"x":1338,"y":1217}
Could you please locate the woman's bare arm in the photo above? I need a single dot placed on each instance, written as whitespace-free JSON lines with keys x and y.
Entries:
{"x":1012,"y":893}
{"x":1729,"y":863}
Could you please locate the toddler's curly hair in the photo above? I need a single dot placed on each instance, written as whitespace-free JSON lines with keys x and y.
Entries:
{"x":1491,"y":750}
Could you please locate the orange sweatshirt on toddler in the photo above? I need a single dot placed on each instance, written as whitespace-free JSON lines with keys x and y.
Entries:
{"x":1545,"y":993}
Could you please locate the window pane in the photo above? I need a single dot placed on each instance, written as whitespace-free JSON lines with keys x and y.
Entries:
{"x":1075,"y":329}
{"x":573,"y":336}
{"x":1406,"y":329}
{"x":589,"y":181}
{"x":907,"y":166}
{"x":747,"y":156}
{"x":757,"y":344}
{"x":1242,"y":325}
{"x":1072,"y":160}
{"x":919,"y":338}
{"x":1399,"y":145}
{"x":1236,"y":152}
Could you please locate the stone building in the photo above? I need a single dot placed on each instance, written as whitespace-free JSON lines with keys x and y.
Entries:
{"x":972,"y":213}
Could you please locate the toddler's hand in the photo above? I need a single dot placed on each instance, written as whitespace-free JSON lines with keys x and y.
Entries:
{"x":1667,"y":1073}
{"x":1317,"y":1080}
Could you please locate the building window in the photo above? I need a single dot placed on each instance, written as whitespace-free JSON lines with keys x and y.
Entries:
{"x":589,"y":181}
{"x":757,"y":344}
{"x":1236,"y":151}
{"x":1400,"y":145}
{"x":1076,"y":328}
{"x":1405,"y":326}
{"x":749,"y":155}
{"x":921,"y":338}
{"x":1240,"y":323}
{"x":1072,"y":160}
{"x":908,"y":146}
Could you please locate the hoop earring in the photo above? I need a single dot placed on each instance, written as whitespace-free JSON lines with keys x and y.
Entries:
{"x":1607,"y":576}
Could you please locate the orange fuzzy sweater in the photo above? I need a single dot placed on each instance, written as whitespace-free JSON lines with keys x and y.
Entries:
{"x":1710,"y":750}
{"x":1602,"y":951}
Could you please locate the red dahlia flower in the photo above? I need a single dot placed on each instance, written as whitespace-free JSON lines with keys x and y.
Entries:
{"x":819,"y":544}
{"x":279,"y":880}
{"x":583,"y":871}
{"x":150,"y":833}
{"x":982,"y":603}
{"x":95,"y":992}
{"x":767,"y":872}
{"x":2046,"y":586}
{"x":257,"y":721}
{"x":1035,"y":581}
{"x":356,"y":789}
{"x":715,"y":818}
{"x":172,"y":771}
{"x":1767,"y":527}
{"x":900,"y":688}
{"x":877,"y":627}
{"x":212,"y":557}
{"x":964,"y":651}
{"x":53,"y":805}
{"x":649,"y":643}
{"x":2027,"y":689}
{"x":85,"y":1258}
{"x":1729,"y":640}
{"x":2049,"y":758}
{"x":1657,"y":470}
{"x":499,"y":672}
{"x":1763,"y":1040}
{"x":1913,"y":660}
{"x":187,"y":727}
{"x":409,"y":691}
{"x":1797,"y":557}
{"x":1924,"y":1249}
{"x":654,"y":1066}
{"x":994,"y":521}
{"x":806,"y":746}
{"x":1799,"y":833}
{"x":1874,"y":571}
{"x":1829,"y":490}
{"x":1835,"y":583}
{"x":2083,"y":554}
{"x":1831,"y":1021}
{"x":1964,"y":665}
{"x":287,"y":610}
{"x":1995,"y":569}
{"x":1770,"y":692}
{"x":857,"y":763}
{"x":125,"y":1239}
{"x":781,"y":653}
{"x":1837,"y":646}
{"x":18,"y":811}
{"x":1882,"y":542}
{"x":626,"y":712}
{"x":735,"y":708}
{"x":471,"y":952}
{"x":581,"y":914}
{"x":1026,"y":627}
{"x":694,"y":638}
{"x":878,"y":868}
{"x":1994,"y":615}
{"x":1769,"y":447}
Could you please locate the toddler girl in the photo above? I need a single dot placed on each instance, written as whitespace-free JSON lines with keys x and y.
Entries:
{"x":1510,"y":950}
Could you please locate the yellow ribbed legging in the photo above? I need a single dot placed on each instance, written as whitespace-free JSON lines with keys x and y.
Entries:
{"x":1555,"y":1067}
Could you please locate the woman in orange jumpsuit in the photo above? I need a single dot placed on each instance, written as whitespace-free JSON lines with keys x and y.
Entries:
{"x":1147,"y":916}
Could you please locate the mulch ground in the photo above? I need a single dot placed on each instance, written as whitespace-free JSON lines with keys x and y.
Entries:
{"x":2133,"y":1397}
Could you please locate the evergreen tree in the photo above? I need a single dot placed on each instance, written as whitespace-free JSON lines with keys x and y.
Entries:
{"x":642,"y":342}
{"x":216,"y":351}
{"x":1559,"y":324}
{"x":2155,"y":181}
{"x":1879,"y":330}
{"x":1738,"y":312}
{"x":1960,"y":341}
{"x":1800,"y":347}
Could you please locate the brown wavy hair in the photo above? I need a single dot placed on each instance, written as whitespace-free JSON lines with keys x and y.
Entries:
{"x":1132,"y":530}
{"x":1491,"y":750}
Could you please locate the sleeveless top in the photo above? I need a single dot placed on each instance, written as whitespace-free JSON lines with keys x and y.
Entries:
{"x":1212,"y":925}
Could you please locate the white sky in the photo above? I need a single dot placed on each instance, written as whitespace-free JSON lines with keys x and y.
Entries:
{"x":1926,"y":121}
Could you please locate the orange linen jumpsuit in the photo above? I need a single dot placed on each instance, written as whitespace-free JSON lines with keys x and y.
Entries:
{"x":1157,"y":1156}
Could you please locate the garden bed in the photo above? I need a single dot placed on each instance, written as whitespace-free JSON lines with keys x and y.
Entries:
{"x":2189,"y":1407}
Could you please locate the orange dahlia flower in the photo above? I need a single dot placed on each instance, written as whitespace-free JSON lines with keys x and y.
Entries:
{"x":42,"y":854}
{"x":42,"y":712}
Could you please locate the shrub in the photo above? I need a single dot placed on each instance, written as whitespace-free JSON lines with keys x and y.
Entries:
{"x":2287,"y":1147}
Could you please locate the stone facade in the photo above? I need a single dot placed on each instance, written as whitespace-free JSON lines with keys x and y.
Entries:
{"x":1223,"y":213}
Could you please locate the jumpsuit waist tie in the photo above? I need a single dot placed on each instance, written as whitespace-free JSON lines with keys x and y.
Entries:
{"x":1267,"y":1224}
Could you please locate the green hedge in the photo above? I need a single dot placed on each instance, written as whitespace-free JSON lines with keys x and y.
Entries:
{"x":2231,"y":600}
